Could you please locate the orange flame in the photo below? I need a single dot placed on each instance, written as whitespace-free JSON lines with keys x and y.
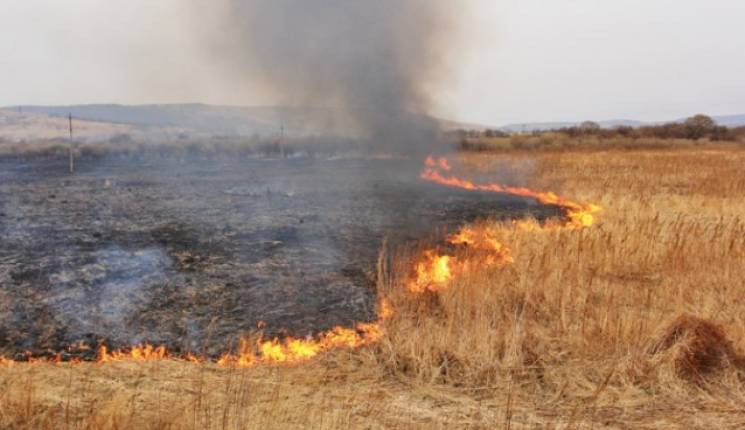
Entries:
{"x":293,"y":350}
{"x":137,"y":353}
{"x":441,"y":163}
{"x":577,"y":214}
{"x":435,"y":271}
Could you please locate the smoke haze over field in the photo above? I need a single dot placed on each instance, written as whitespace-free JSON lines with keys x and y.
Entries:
{"x":379,"y":61}
{"x":514,"y":61}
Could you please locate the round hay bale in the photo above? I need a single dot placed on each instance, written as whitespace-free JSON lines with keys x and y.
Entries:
{"x":696,"y":347}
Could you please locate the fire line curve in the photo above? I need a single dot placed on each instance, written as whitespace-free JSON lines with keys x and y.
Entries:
{"x":433,"y":271}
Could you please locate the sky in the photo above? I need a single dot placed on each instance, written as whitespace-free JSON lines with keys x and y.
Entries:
{"x":517,"y":60}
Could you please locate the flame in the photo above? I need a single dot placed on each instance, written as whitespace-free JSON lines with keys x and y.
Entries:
{"x":433,"y":271}
{"x":442,"y":163}
{"x":293,"y":350}
{"x":385,"y":310}
{"x":137,"y":353}
{"x":578,"y":215}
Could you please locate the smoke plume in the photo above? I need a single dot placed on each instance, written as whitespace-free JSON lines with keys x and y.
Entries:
{"x":379,"y":62}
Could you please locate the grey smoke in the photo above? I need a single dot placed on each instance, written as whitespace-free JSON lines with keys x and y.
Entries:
{"x":377,"y":61}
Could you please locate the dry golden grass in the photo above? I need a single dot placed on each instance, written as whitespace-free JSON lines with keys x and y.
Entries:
{"x":634,"y":323}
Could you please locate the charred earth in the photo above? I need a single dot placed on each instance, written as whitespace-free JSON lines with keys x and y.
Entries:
{"x":195,"y":253}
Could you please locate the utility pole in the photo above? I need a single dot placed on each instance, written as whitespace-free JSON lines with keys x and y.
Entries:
{"x":72,"y":159}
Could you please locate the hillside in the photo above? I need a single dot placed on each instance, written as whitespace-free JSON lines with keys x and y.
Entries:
{"x":222,"y":120}
{"x":18,"y":126}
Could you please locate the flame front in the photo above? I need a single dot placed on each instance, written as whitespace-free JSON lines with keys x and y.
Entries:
{"x":433,"y":271}
{"x":293,"y":350}
{"x":138,"y":353}
{"x":577,"y":215}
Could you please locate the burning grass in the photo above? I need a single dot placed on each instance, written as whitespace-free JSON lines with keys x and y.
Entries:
{"x":635,"y":322}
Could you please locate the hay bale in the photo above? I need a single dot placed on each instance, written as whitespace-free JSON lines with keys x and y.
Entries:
{"x":696,"y":348}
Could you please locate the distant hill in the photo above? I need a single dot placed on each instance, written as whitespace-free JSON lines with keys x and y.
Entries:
{"x":198,"y":117}
{"x":730,"y":120}
{"x":226,"y":120}
{"x":167,"y":121}
{"x":17,"y":126}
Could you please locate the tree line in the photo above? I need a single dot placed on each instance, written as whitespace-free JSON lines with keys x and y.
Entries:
{"x":696,"y":127}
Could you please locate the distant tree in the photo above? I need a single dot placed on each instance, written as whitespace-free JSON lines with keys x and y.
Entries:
{"x":624,"y":130}
{"x":701,"y":120}
{"x":494,"y":133}
{"x":589,"y":126}
{"x":699,"y":126}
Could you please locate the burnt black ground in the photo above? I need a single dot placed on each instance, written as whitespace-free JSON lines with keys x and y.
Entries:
{"x":193,"y":253}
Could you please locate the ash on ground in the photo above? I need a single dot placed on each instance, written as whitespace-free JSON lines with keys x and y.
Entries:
{"x":193,"y":254}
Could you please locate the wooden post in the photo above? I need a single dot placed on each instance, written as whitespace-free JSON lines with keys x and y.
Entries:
{"x":72,"y":159}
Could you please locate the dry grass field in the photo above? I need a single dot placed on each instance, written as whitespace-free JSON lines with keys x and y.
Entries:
{"x":636,"y":322}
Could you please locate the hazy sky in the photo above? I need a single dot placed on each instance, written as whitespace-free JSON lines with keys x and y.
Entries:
{"x":521,"y":60}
